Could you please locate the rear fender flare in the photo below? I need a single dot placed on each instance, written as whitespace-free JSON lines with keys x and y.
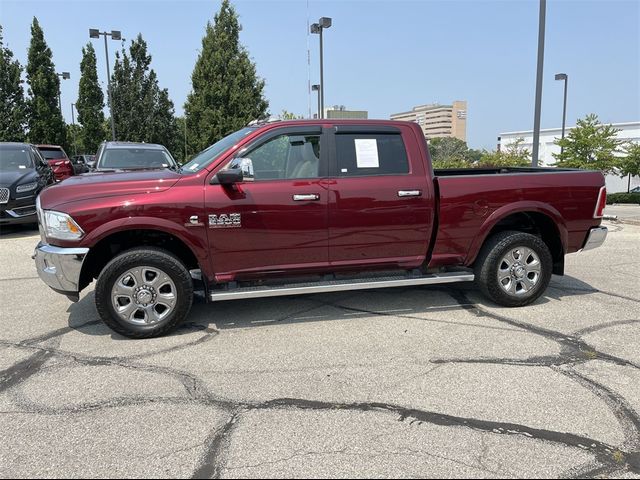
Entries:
{"x":510,"y":209}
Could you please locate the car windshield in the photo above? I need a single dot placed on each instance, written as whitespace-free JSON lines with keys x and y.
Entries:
{"x":52,"y":153}
{"x":209,"y":154}
{"x":134,"y":158}
{"x":14,"y":158}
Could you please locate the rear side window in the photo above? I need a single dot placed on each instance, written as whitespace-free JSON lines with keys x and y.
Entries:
{"x":370,"y":154}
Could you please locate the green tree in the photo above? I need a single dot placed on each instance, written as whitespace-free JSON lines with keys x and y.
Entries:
{"x":226,"y":93}
{"x":449,"y":152}
{"x":590,"y":145}
{"x":90,"y":104}
{"x":142,"y":111}
{"x":514,"y":155}
{"x":44,"y":117}
{"x":630,"y":164}
{"x":287,"y":115}
{"x":13,"y":109}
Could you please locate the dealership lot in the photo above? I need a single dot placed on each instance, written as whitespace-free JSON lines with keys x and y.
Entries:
{"x":405,"y":382}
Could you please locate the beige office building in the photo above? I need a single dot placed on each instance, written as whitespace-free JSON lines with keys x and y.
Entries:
{"x":438,"y":120}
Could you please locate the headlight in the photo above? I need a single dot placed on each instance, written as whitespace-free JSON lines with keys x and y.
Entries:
{"x":60,"y":225}
{"x":26,"y":187}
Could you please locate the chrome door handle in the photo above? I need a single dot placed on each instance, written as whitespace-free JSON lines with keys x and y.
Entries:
{"x":409,"y":193}
{"x":305,"y":197}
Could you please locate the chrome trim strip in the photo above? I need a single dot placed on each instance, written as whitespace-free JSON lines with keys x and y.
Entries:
{"x":409,"y":193}
{"x":596,"y":238}
{"x":337,"y":286}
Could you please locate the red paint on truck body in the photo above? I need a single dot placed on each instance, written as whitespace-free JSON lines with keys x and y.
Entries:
{"x":357,"y":223}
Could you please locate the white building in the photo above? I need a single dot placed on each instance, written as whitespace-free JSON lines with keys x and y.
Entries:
{"x":629,"y":131}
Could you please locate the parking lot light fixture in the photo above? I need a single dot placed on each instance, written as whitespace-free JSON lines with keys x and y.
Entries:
{"x":317,"y":28}
{"x":115,"y":35}
{"x":63,"y":76}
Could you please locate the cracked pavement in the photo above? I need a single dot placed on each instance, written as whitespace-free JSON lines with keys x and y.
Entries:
{"x":405,"y":382}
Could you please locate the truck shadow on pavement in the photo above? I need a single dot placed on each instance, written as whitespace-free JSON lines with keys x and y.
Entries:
{"x":18,"y":231}
{"x":409,"y":302}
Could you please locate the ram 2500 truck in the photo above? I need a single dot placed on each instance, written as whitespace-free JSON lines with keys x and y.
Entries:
{"x":297,"y":207}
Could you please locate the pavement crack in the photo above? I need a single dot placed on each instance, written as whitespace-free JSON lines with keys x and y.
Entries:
{"x":211,"y":464}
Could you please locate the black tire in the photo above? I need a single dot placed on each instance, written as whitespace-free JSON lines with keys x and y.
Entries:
{"x":489,"y":261}
{"x":152,"y":257}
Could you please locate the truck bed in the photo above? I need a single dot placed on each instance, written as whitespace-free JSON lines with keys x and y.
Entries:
{"x":448,"y":172}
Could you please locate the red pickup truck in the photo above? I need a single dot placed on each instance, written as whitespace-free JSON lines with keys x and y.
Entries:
{"x":286,"y":208}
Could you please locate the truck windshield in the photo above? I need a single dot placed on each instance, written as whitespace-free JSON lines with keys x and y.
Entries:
{"x":52,"y":153}
{"x":135,"y":158}
{"x":209,"y":154}
{"x":14,"y":158}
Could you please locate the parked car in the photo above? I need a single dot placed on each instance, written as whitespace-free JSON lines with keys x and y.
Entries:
{"x":635,"y":190}
{"x":306,"y":206}
{"x":23,"y":175}
{"x":133,"y":156}
{"x":82,"y":163}
{"x":58,"y":159}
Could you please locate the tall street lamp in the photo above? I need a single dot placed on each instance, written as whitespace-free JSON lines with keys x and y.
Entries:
{"x":73,"y":122}
{"x":565,"y":77}
{"x":115,"y":35}
{"x":538,"y":107}
{"x":324,"y":22}
{"x":63,"y":76}
{"x":316,"y":88}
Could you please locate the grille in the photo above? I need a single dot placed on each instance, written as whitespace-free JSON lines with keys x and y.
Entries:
{"x":4,"y":195}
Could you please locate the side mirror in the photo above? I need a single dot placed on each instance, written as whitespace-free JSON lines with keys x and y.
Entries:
{"x":239,"y":170}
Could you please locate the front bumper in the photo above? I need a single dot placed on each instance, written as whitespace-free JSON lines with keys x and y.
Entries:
{"x":60,"y":268}
{"x":595,"y":238}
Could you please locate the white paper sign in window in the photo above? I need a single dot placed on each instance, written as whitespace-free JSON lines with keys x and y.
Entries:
{"x":367,"y":153}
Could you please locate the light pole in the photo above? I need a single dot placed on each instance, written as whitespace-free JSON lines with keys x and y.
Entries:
{"x":73,"y":122}
{"x":536,"y":116}
{"x":565,"y":77}
{"x":316,"y":88}
{"x":115,"y":35}
{"x":63,"y":76}
{"x":324,"y":22}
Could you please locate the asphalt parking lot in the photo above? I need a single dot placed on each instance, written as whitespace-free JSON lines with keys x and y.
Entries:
{"x":412,"y":382}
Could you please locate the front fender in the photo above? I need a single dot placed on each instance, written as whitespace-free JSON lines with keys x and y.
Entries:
{"x":518,"y":207}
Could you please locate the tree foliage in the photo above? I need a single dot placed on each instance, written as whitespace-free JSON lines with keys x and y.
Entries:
{"x":590,"y":145}
{"x":90,"y":104}
{"x":143,"y":112}
{"x":630,"y":163}
{"x":13,"y":109}
{"x":513,"y":155}
{"x":44,"y":117}
{"x":226,"y":92}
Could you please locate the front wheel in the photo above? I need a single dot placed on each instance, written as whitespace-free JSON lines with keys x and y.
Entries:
{"x":144,"y":292}
{"x":513,"y":268}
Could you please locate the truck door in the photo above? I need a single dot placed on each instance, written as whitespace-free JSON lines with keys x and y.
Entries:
{"x":278,"y":222}
{"x":381,"y":204}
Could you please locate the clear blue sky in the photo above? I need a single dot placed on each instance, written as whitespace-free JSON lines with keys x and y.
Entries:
{"x":380,"y":56}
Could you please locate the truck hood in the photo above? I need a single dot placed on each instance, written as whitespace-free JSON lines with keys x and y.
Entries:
{"x":99,"y":185}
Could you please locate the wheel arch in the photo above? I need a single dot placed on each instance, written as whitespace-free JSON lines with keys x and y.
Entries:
{"x":530,"y":217}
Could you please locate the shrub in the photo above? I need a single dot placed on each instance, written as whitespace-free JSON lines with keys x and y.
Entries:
{"x":623,"y":198}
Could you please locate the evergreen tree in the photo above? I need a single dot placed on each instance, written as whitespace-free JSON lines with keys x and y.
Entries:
{"x":90,"y":104}
{"x":226,"y":93}
{"x":12,"y":105}
{"x":142,"y":111}
{"x":590,"y":145}
{"x":45,"y":119}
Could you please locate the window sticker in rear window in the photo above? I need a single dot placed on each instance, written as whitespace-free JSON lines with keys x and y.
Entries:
{"x":367,"y":153}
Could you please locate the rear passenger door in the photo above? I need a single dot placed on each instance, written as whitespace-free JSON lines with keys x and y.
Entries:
{"x":380,"y":205}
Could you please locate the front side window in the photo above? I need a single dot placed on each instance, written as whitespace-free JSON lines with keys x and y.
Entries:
{"x":361,"y":154}
{"x":287,"y":156}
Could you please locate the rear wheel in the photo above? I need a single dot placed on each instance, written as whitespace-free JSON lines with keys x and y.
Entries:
{"x":513,"y":268}
{"x":144,"y":292}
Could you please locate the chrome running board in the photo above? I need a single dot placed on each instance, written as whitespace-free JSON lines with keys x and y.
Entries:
{"x":338,"y":286}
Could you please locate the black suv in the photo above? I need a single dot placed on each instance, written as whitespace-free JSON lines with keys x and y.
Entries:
{"x":23,"y":174}
{"x":133,"y":156}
